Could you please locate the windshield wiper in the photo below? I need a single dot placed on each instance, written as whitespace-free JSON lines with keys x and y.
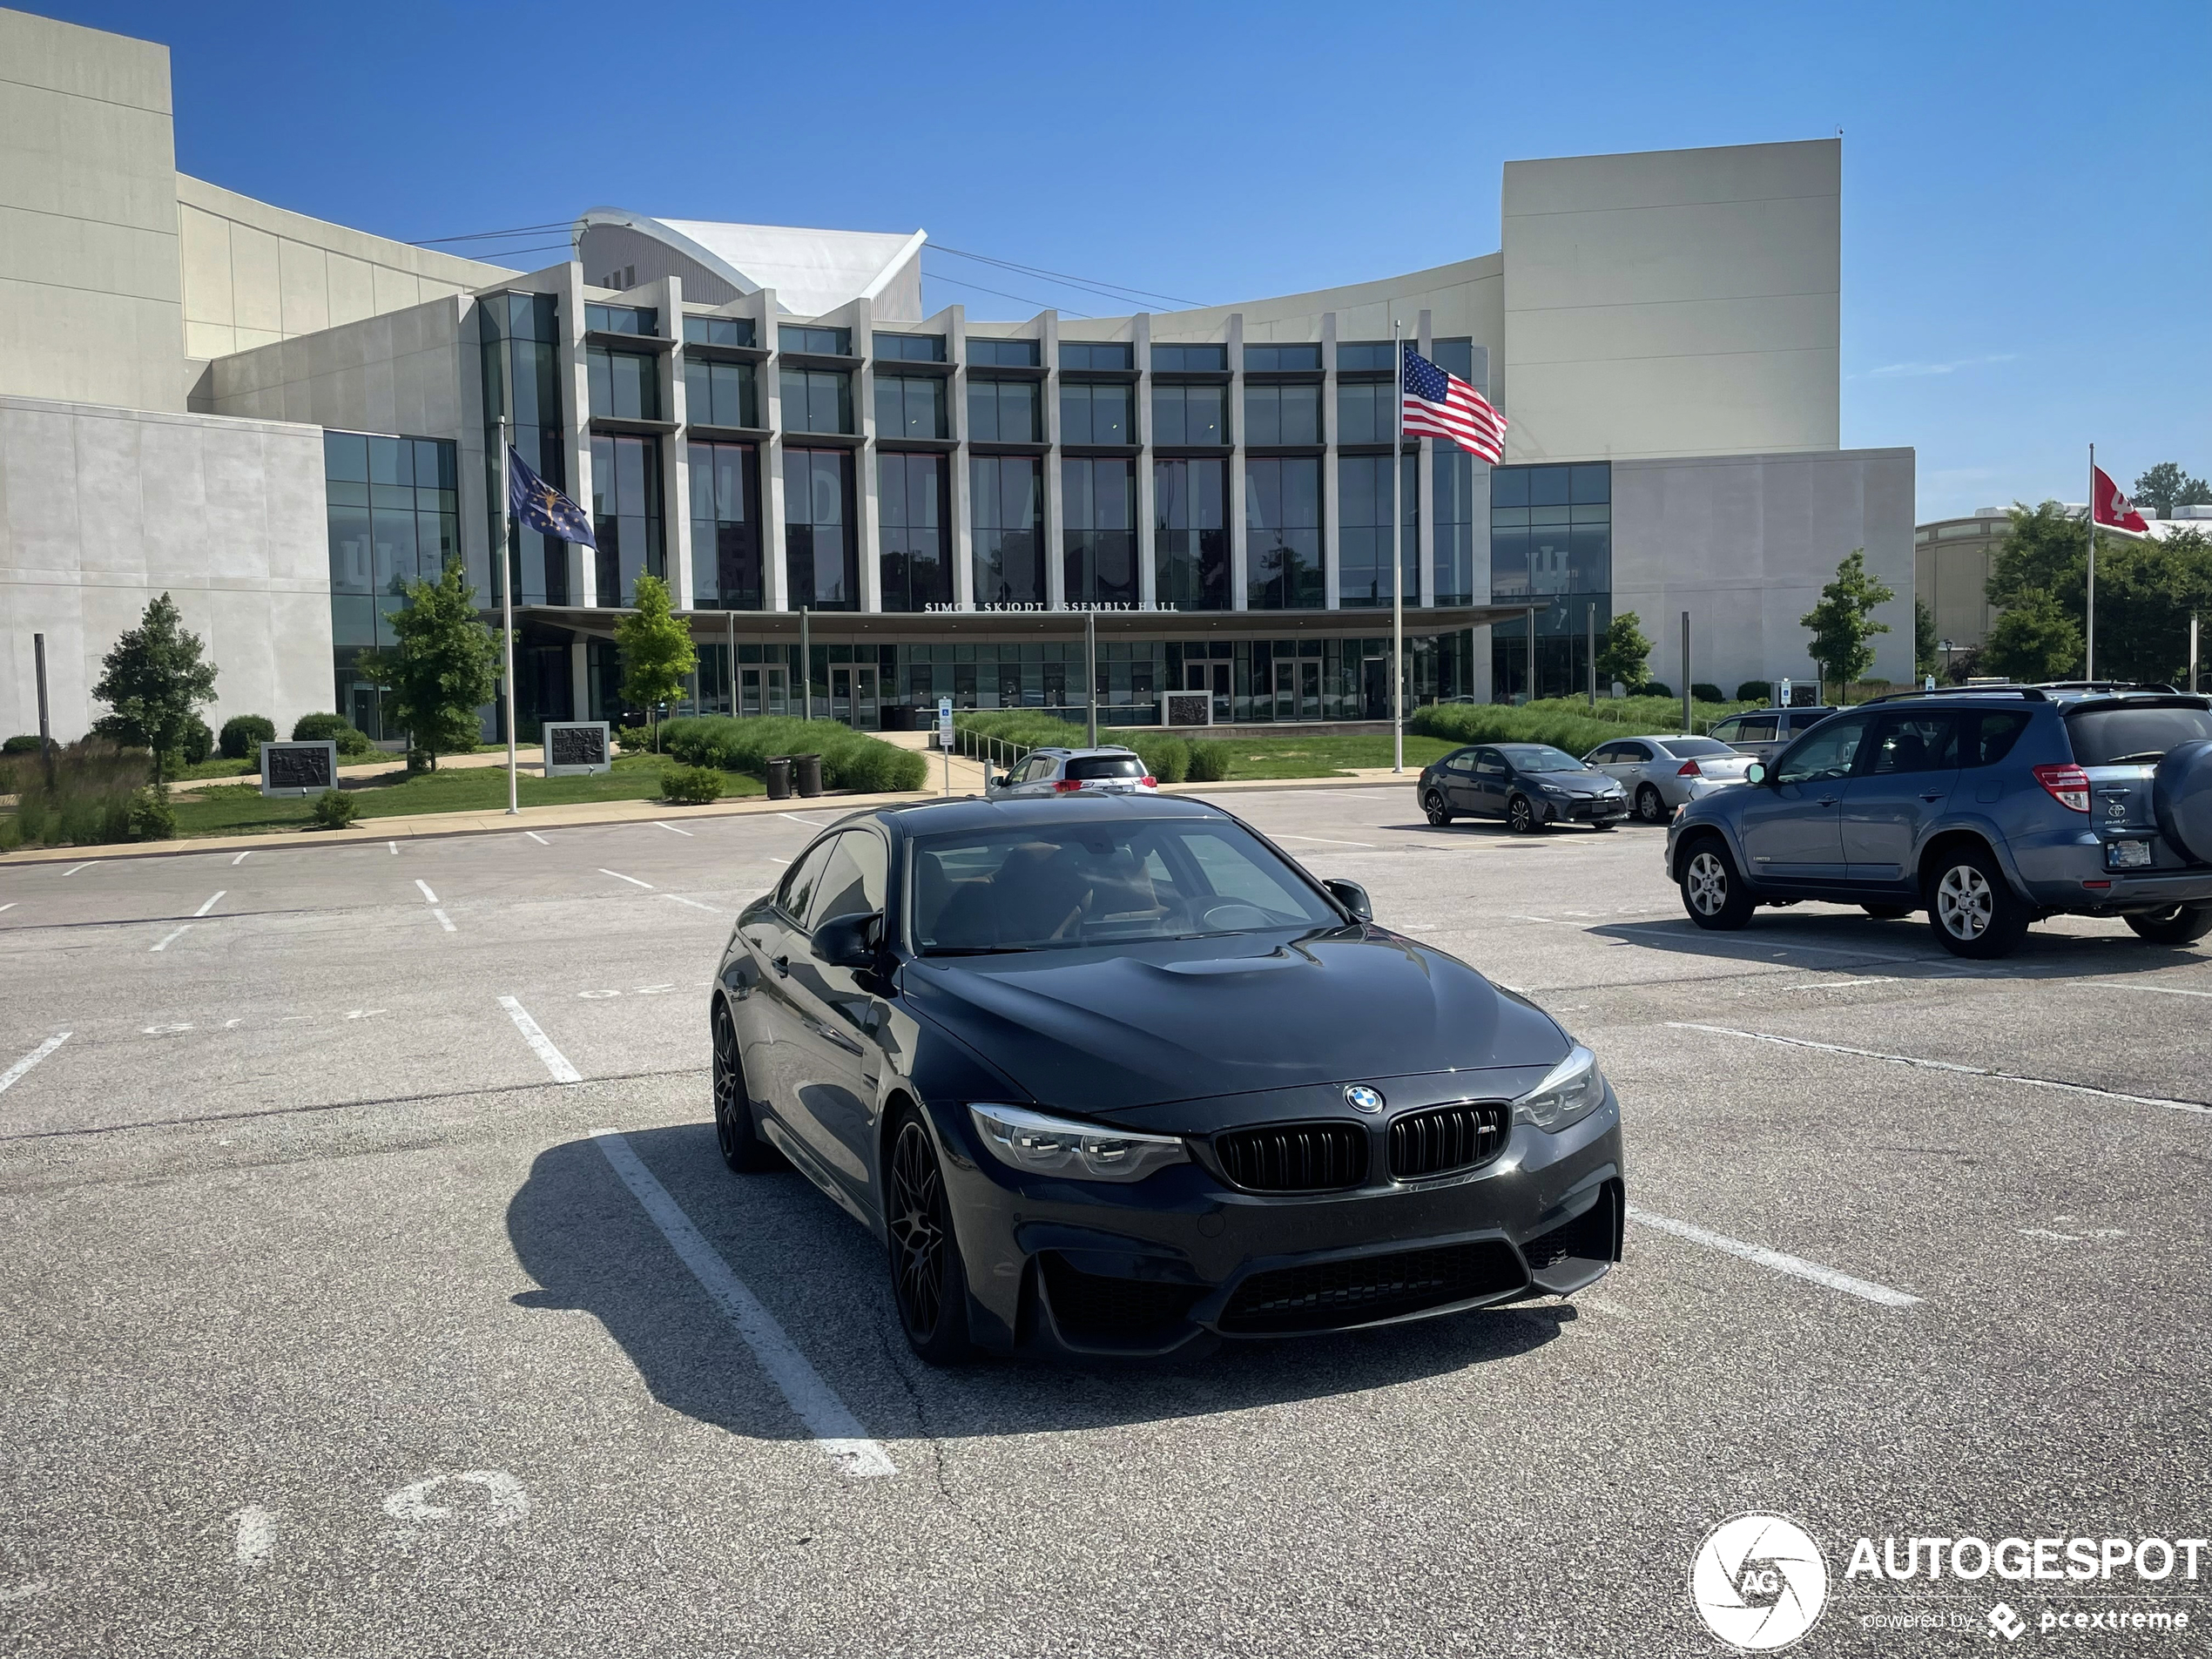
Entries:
{"x":2136,"y":760}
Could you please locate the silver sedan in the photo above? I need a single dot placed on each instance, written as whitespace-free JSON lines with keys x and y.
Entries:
{"x":1661,"y":773}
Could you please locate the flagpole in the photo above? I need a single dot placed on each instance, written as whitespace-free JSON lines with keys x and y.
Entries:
{"x":1397,"y":559}
{"x":507,"y":622}
{"x":2089,"y":610}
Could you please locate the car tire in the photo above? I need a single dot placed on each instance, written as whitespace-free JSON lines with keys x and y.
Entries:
{"x":742,"y":1148}
{"x":2182,"y":925}
{"x":1712,"y":890}
{"x":1972,"y":908}
{"x":1438,"y":813}
{"x":1888,"y":911}
{"x":928,"y":1280}
{"x":1521,"y":816}
{"x":1649,"y":808}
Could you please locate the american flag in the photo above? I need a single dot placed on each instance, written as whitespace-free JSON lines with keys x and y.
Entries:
{"x":1438,"y":405}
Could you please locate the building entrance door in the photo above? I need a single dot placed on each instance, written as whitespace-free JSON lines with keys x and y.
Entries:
{"x":853,"y":699}
{"x":1210,"y":677}
{"x":764,"y":690}
{"x":1286,"y":690}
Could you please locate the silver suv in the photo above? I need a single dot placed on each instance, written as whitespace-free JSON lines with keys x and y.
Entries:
{"x":1764,"y":733}
{"x":1074,"y":772}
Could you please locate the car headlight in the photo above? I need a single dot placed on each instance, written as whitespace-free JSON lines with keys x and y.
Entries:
{"x":1551,"y":789}
{"x":1570,"y":1091}
{"x":1022,"y":1139}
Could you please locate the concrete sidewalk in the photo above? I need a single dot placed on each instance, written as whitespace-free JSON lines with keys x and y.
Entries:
{"x":582,"y":815}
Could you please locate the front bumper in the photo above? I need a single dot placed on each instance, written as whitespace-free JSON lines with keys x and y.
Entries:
{"x":1594,"y":809}
{"x":1093,"y":1268}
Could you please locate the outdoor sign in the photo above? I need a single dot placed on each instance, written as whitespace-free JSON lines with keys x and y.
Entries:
{"x":944,"y":723}
{"x":1186,"y":708}
{"x":577,"y":748}
{"x":298,"y":768}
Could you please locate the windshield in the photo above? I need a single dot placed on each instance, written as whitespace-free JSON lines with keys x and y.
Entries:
{"x":1060,"y":887}
{"x":1690,"y":748}
{"x":1539,"y":757}
{"x":2134,"y":731}
{"x":1085,"y":767}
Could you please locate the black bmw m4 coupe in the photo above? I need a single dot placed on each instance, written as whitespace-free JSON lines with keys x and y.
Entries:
{"x":1116,"y":1077}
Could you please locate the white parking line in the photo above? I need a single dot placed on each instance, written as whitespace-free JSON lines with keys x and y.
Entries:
{"x":209,"y":905}
{"x":16,"y":1073}
{"x":395,"y":845}
{"x":2200,"y":1107}
{"x":241,"y":858}
{"x":534,"y":836}
{"x":1838,"y":984}
{"x":1796,"y":1266}
{"x":10,"y":905}
{"x":811,"y":1400}
{"x":694,"y":903}
{"x":671,"y":828}
{"x":74,"y":868}
{"x":796,"y":818}
{"x":2161,"y":990}
{"x":1284,"y":835}
{"x":632,"y":880}
{"x":168,"y":939}
{"x":428,"y":897}
{"x":444,"y":920}
{"x":541,"y":1045}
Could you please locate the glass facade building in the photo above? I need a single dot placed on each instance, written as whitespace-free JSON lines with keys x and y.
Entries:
{"x":1551,"y":549}
{"x":394,"y":518}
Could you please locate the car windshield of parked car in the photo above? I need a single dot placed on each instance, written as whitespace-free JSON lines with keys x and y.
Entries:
{"x":1540,"y":757}
{"x":1086,"y":768}
{"x":1690,"y":748}
{"x":2108,"y":736}
{"x":1063,"y":887}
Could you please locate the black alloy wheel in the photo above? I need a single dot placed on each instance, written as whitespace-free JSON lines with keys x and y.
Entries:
{"x":1712,"y":892}
{"x":1649,"y":808}
{"x":927,"y":1279}
{"x":1520,"y":817}
{"x":2182,"y":925}
{"x":742,"y":1148}
{"x":1433,"y":804}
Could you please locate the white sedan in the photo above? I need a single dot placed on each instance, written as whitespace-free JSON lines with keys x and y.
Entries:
{"x":1661,"y":773}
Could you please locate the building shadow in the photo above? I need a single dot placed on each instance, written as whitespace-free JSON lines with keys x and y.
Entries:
{"x":578,"y":1230}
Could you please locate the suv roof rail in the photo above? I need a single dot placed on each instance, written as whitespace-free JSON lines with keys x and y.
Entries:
{"x":2106,"y":686}
{"x":2031,"y":693}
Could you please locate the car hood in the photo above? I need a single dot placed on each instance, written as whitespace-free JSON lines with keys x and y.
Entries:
{"x":1589,"y":777}
{"x":1100,"y":1032}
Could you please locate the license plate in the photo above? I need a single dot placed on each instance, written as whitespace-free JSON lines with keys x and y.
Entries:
{"x":2127,"y":855}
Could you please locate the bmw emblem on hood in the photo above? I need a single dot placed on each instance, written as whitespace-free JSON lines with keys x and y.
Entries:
{"x":1361,"y":1099}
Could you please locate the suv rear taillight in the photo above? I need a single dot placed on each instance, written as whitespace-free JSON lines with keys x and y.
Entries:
{"x":1150,"y":782}
{"x":1688,"y":769}
{"x":2069,"y":785}
{"x":1070,"y":786}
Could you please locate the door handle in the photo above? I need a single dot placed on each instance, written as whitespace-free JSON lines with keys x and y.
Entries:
{"x":1828,"y":801}
{"x":1937,"y":796}
{"x":782,"y":964}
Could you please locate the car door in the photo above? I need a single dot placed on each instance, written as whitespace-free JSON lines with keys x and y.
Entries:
{"x":770,"y":1023}
{"x":1458,"y":781}
{"x":834,"y":1059}
{"x":1793,"y":827}
{"x":1903,"y":781}
{"x":1492,"y":777}
{"x":1625,"y":762}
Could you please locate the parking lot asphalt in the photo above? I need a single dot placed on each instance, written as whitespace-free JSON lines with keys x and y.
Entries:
{"x":335,"y":1324}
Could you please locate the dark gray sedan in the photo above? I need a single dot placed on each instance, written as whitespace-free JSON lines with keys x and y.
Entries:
{"x":1528,"y":785}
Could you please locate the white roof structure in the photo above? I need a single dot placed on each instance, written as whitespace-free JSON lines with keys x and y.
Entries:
{"x":812,"y":272}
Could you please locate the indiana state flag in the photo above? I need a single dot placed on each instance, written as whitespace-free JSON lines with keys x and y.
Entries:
{"x":544,"y":509}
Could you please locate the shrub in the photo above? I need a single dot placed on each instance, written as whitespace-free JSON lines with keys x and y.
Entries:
{"x":1209,"y":761}
{"x":334,"y":809}
{"x":634,"y":739}
{"x":149,"y":817}
{"x":692,"y":786}
{"x":244,"y":734}
{"x":1755,"y":691}
{"x":1657,"y":688}
{"x":89,"y":802}
{"x":850,"y":760}
{"x":27,"y":744}
{"x":1167,"y":758}
{"x":1705,"y":691}
{"x":198,"y":743}
{"x":332,"y":728}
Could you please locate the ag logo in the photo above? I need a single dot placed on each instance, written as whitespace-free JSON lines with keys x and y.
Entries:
{"x":1758,"y":1581}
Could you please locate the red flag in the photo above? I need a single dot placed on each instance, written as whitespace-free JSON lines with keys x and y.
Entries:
{"x":2113,"y":509}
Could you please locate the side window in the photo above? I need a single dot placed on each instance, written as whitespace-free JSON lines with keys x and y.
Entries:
{"x":1992,"y":737}
{"x":798,"y":890}
{"x":1823,"y":754}
{"x":852,"y":882}
{"x":1752,"y":729}
{"x":1490,"y":763}
{"x":1460,"y":764}
{"x":1914,"y":740}
{"x":1604,"y":755}
{"x":1729,"y":731}
{"x":1628,"y":754}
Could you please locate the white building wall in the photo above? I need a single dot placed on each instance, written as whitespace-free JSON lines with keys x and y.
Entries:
{"x":103,"y":509}
{"x":1745,"y":543}
{"x":401,"y":373}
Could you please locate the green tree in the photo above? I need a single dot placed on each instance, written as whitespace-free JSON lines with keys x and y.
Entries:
{"x":2147,"y":590}
{"x":2165,"y":486}
{"x":443,"y":668}
{"x":1624,"y":651}
{"x":1842,"y":626}
{"x":657,"y":653}
{"x":1927,"y":648}
{"x":2035,"y":639}
{"x":155,"y":680}
{"x":2044,"y":551}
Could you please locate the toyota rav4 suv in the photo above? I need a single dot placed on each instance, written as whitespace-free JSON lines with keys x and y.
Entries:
{"x":1989,"y":808}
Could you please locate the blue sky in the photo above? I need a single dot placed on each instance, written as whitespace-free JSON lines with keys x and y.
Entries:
{"x":2027,"y":210}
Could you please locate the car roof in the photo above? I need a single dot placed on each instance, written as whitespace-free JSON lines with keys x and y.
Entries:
{"x":972,"y":813}
{"x":1071,"y":754}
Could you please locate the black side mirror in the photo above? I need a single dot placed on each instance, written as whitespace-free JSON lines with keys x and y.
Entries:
{"x":1003,"y":780}
{"x":1754,"y":774}
{"x":1353,"y":897}
{"x":850,"y":941}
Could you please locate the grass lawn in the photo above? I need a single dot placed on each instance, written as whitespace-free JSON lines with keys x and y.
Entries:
{"x":1320,"y":757}
{"x":240,"y":809}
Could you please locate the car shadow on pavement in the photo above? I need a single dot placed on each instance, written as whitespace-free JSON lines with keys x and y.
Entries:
{"x":580,"y":1233}
{"x":1847,"y":941}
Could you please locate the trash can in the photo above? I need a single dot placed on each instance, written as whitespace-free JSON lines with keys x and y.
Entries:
{"x":779,"y":777}
{"x":810,"y":774}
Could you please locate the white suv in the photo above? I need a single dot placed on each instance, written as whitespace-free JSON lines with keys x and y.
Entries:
{"x":1074,"y":772}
